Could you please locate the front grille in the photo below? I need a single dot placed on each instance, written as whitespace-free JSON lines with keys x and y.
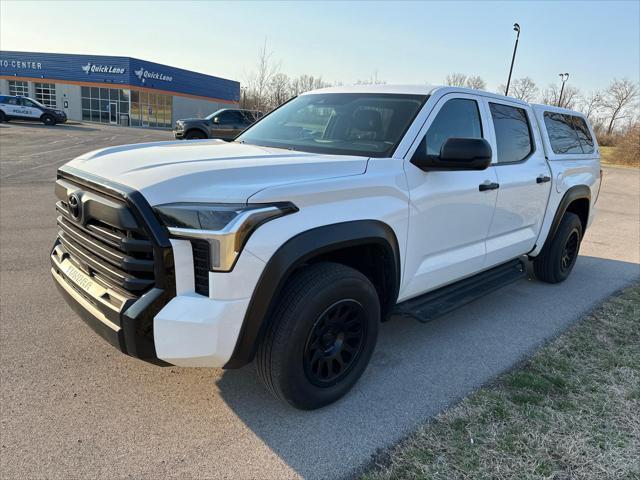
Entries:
{"x":114,"y":250}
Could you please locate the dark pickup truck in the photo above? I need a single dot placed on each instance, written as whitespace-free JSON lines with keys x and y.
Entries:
{"x":225,"y":124}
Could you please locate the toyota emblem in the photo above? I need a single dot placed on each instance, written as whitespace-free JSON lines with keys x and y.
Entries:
{"x":75,"y":207}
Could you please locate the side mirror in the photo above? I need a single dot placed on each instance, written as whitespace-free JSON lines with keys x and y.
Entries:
{"x":216,"y":120}
{"x":455,"y":154}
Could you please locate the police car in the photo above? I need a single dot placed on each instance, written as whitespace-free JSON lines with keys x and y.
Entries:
{"x":23,"y":108}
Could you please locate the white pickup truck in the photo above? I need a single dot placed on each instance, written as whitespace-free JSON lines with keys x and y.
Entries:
{"x":289,"y":245}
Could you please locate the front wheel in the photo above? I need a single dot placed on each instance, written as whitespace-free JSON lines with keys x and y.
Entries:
{"x":556,"y":260}
{"x":3,"y":117}
{"x":195,"y":135}
{"x":48,"y":120}
{"x":321,"y":337}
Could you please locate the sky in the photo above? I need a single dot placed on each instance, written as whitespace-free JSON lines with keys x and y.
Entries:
{"x":400,"y":42}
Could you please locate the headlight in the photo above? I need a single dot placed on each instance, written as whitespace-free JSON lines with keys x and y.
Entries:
{"x":226,"y":227}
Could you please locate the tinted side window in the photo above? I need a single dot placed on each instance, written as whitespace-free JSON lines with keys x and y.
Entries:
{"x":586,"y":141}
{"x":225,"y":118}
{"x":562,"y":135}
{"x":249,"y":117}
{"x":458,"y":118}
{"x":513,"y":135}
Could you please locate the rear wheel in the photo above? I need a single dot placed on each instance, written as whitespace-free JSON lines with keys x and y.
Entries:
{"x":322,"y":335}
{"x":195,"y":135}
{"x":48,"y":120}
{"x":556,"y":260}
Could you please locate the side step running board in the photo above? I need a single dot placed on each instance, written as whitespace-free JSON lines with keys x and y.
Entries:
{"x":443,"y":300}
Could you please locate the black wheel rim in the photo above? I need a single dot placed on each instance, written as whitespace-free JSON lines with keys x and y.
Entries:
{"x":570,"y":251}
{"x":335,"y":343}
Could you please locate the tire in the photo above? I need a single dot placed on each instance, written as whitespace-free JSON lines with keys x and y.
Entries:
{"x":321,"y":337}
{"x":3,"y":117}
{"x":195,"y":135}
{"x":48,"y":120}
{"x":556,"y":260}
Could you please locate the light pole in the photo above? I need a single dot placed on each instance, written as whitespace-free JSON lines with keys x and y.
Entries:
{"x":563,"y":77}
{"x":516,"y":27}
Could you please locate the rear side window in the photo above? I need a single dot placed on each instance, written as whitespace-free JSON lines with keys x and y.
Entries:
{"x":568,"y":134}
{"x":458,"y":118}
{"x":513,"y":133}
{"x":584,"y":135}
{"x":562,"y":135}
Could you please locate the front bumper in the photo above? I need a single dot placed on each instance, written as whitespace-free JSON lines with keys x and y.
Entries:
{"x":189,"y":330}
{"x":168,"y":322}
{"x":126,"y":324}
{"x":178,"y":134}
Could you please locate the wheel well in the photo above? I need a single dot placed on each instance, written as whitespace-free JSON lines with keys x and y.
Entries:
{"x":372,"y":260}
{"x":196,"y":129}
{"x":580,"y":207}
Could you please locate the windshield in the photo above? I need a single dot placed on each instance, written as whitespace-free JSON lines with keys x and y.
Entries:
{"x":367,"y":124}
{"x":35,"y":102}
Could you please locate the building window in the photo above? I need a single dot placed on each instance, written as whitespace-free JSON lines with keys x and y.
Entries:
{"x":46,"y":94}
{"x":105,"y":105}
{"x":151,"y":109}
{"x":18,"y":88}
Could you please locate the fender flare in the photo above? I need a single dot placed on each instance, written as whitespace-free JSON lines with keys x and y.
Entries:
{"x":292,"y":254}
{"x":199,"y":129}
{"x":576,"y":192}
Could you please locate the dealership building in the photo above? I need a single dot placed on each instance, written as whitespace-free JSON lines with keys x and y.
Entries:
{"x":114,"y":90}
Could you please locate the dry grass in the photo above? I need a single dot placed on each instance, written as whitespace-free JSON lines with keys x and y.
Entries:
{"x":626,"y":153}
{"x":571,"y":412}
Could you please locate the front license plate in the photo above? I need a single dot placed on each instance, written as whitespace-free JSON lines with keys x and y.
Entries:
{"x":82,"y":280}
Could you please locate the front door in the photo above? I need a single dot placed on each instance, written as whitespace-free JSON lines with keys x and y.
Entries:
{"x":27,"y":110}
{"x":113,"y":113}
{"x":524,"y":177}
{"x":229,"y":125}
{"x":449,"y":216}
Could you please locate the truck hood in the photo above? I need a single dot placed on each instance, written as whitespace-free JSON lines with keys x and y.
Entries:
{"x":210,"y":170}
{"x":193,"y":120}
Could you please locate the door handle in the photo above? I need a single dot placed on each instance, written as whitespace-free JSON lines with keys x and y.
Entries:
{"x":543,"y":179}
{"x":483,"y":187}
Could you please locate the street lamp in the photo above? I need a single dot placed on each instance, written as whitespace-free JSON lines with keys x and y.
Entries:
{"x":516,"y":27}
{"x":563,"y":77}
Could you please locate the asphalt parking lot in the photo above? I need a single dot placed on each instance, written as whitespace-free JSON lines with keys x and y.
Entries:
{"x":73,"y":407}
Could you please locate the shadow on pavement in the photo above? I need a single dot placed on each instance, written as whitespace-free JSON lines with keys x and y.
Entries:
{"x":60,"y":126}
{"x":418,"y":369}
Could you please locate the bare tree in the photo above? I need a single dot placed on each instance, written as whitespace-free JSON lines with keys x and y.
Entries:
{"x":279,"y":89}
{"x":590,"y":105}
{"x":372,"y":80}
{"x":456,"y":79}
{"x":260,"y":80}
{"x":522,"y":88}
{"x":618,"y":97}
{"x":304,"y":83}
{"x":551,"y":95}
{"x":476,"y":82}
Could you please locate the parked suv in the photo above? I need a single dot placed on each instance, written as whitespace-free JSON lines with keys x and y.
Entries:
{"x":225,"y":124}
{"x":24,"y":108}
{"x":339,"y":209}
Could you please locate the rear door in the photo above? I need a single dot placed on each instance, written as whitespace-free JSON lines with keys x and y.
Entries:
{"x":449,"y":214}
{"x":524,"y":178}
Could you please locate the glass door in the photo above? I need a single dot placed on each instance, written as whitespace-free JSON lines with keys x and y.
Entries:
{"x":113,"y":113}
